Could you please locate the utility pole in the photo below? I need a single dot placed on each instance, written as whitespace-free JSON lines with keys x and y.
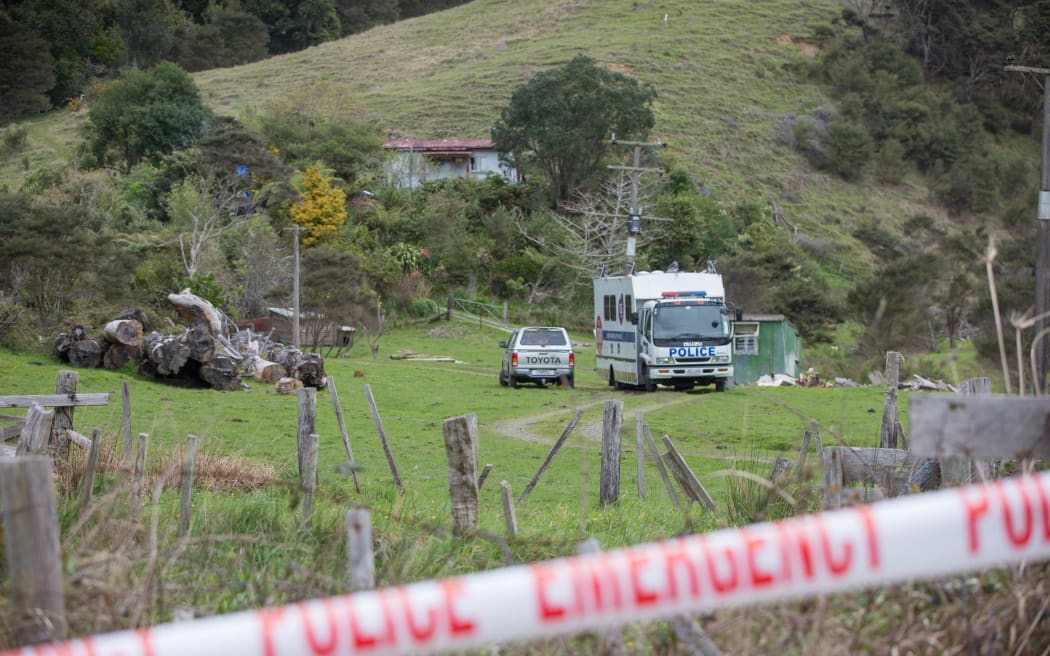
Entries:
{"x":295,"y":287}
{"x":1042,"y":248}
{"x":634,"y":221}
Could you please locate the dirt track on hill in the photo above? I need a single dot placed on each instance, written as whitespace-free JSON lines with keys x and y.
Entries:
{"x":590,"y":425}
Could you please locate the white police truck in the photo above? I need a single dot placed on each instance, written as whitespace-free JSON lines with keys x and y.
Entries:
{"x":663,"y":328}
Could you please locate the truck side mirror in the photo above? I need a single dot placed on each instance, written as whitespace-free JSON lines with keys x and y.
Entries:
{"x":739,"y":314}
{"x":503,"y":345}
{"x":633,"y":317}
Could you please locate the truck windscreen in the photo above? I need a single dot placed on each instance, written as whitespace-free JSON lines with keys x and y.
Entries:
{"x":685,"y":322}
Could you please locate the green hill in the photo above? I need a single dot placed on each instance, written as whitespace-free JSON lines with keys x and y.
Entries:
{"x":727,"y":75}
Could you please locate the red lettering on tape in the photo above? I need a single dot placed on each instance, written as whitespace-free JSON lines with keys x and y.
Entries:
{"x":676,"y":558}
{"x":457,"y":625}
{"x":268,"y":617}
{"x":752,"y":543}
{"x":637,"y":561}
{"x":721,"y":585}
{"x":837,"y":568}
{"x":543,"y":574}
{"x":308,"y":626}
{"x":1017,"y":537}
{"x":419,"y":633}
{"x":974,"y":509}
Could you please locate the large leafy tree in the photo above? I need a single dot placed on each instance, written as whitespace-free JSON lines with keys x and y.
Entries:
{"x":145,"y":114}
{"x":26,"y":72}
{"x":559,"y":123}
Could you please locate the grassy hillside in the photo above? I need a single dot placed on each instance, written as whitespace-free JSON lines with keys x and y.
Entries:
{"x":726,"y":74}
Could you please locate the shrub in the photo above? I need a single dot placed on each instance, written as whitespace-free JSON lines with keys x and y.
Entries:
{"x":849,"y":148}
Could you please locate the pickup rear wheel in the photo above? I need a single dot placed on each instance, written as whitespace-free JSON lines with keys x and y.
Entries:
{"x":502,"y":380}
{"x":512,"y":380}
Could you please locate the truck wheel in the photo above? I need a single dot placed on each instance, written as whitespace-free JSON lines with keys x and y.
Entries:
{"x":650,"y":384}
{"x":512,"y":380}
{"x":720,"y":386}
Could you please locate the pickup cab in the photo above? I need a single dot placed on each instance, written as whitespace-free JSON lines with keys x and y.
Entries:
{"x":538,"y":355}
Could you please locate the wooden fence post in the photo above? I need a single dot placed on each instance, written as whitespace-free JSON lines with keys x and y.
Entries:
{"x":36,"y":431}
{"x":655,"y":453}
{"x":32,"y":548}
{"x":307,"y":423}
{"x":550,"y":454}
{"x":509,"y":516}
{"x":612,"y":430}
{"x":125,"y":428}
{"x":461,"y":449}
{"x":890,"y":412}
{"x":686,"y":478}
{"x":87,"y":486}
{"x":343,"y":433}
{"x":484,"y":475}
{"x":309,"y":479}
{"x":139,"y":473}
{"x":382,"y":438}
{"x":359,"y":549}
{"x":59,"y":441}
{"x":188,"y":462}
{"x":639,"y":453}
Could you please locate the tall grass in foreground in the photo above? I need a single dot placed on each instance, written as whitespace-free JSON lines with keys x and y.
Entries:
{"x":249,"y":548}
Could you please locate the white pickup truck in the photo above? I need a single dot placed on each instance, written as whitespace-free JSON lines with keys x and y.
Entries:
{"x":538,"y":355}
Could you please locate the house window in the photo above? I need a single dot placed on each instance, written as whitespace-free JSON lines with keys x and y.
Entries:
{"x":745,"y":339}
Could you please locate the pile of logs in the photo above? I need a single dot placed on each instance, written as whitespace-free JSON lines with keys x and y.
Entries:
{"x":202,"y":354}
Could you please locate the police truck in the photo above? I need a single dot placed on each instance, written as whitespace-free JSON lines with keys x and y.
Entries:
{"x":663,"y":328}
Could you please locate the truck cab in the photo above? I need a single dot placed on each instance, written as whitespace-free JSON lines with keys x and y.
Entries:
{"x":685,"y":340}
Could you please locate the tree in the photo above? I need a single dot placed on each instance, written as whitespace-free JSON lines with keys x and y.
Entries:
{"x":26,"y":74}
{"x":560,"y":122}
{"x":201,"y":211}
{"x":145,"y":114}
{"x":148,"y":28}
{"x":322,"y":210}
{"x":53,"y":256}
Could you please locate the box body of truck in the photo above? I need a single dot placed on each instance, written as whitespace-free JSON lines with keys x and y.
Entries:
{"x":663,"y":328}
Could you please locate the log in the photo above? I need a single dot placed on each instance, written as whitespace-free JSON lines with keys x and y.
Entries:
{"x":85,"y":354}
{"x":221,"y":373}
{"x":118,"y":355}
{"x":264,"y":370}
{"x":311,"y":371}
{"x":138,"y":314}
{"x":200,"y":342}
{"x":197,"y":310}
{"x":123,"y":331}
{"x":167,"y":353}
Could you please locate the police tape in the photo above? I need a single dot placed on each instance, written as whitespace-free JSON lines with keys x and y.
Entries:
{"x":916,"y":537}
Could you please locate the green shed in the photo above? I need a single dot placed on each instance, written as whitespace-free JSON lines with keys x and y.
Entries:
{"x":765,"y":344}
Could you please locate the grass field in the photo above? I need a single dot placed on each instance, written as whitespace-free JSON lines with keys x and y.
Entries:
{"x":516,"y":427}
{"x":249,"y":548}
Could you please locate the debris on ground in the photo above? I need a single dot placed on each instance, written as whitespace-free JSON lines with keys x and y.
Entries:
{"x":409,"y":355}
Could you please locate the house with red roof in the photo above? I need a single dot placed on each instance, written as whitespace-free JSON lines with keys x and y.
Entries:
{"x":418,"y":160}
